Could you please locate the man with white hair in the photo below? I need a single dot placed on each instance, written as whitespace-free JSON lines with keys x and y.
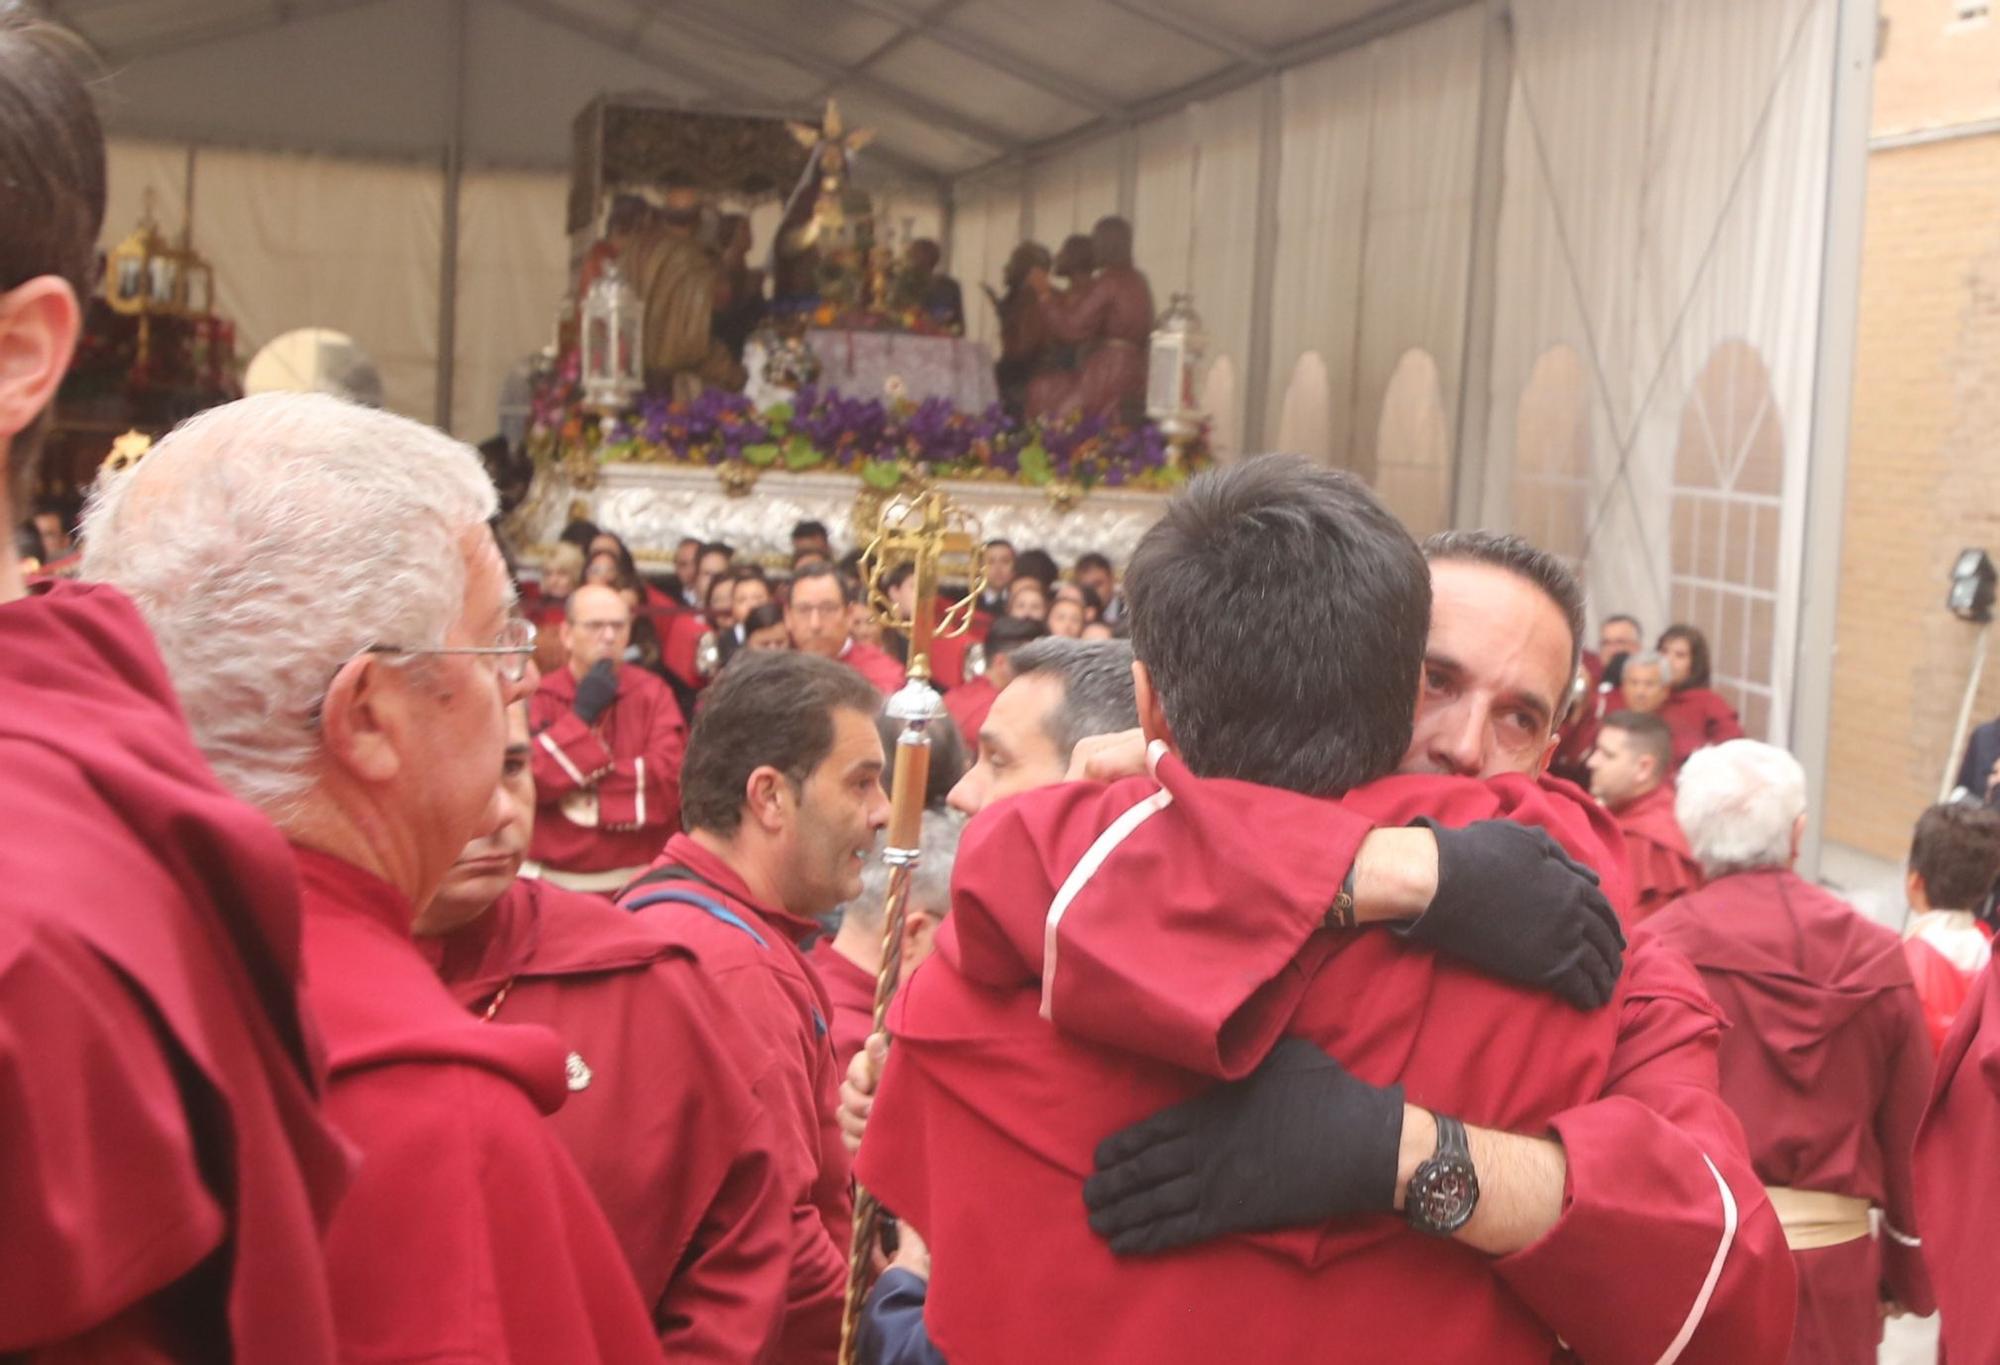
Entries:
{"x":1827,"y":1064}
{"x":336,"y":619}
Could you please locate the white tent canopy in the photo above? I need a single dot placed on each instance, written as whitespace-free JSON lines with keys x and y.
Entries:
{"x":1585,"y":268}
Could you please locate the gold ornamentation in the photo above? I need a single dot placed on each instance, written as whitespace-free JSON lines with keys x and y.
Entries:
{"x":737,"y":478}
{"x":1064,"y":494}
{"x":126,"y":452}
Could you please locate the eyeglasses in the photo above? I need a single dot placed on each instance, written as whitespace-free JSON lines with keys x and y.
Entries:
{"x":515,"y":649}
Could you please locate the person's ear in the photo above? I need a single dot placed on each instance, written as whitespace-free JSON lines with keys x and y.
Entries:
{"x":39,"y":323}
{"x":1798,"y":836}
{"x":363,"y":719}
{"x":767,"y":799}
{"x":919,"y":937}
{"x":1152,"y":714}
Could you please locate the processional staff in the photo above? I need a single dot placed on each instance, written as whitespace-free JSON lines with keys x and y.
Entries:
{"x":924,"y":529}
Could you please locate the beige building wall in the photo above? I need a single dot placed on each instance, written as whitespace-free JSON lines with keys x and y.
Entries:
{"x":1924,"y":477}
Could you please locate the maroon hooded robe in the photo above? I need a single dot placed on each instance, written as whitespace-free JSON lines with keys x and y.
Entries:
{"x":166,"y":1176}
{"x":1666,"y":1248}
{"x":1958,"y":1179}
{"x":1052,"y":898}
{"x":468,"y":1234}
{"x":630,"y":758}
{"x":850,"y":989}
{"x":1698,"y":717}
{"x":1828,"y":1066}
{"x":754,"y":960}
{"x":685,"y":1170}
{"x":1656,"y":852}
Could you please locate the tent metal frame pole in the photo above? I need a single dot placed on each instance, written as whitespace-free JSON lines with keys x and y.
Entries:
{"x":1475,"y":493}
{"x":454,"y":177}
{"x":1263,"y":269}
{"x":1814,"y":660}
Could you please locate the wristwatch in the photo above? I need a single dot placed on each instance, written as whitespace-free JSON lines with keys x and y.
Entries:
{"x":1444,"y":1190}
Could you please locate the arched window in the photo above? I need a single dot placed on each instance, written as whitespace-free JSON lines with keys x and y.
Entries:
{"x":1413,"y":447}
{"x":1729,"y":472}
{"x":1305,"y":421}
{"x":1551,"y":491}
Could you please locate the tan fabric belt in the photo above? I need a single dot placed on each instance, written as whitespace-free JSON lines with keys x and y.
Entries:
{"x":597,"y":883}
{"x":1814,"y":1218}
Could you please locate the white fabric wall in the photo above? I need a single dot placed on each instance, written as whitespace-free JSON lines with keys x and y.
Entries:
{"x":1377,"y":168}
{"x":986,"y":226}
{"x":513,"y":270}
{"x":1646,"y":234}
{"x":1194,"y":226}
{"x":1071,"y":192}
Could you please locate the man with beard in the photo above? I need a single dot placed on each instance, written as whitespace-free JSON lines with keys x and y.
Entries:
{"x":1658,"y":1242}
{"x":781,"y":797}
{"x":685,"y":1169}
{"x":1052,"y":896}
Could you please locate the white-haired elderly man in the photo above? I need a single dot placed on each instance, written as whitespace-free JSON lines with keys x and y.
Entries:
{"x":1828,"y":1064}
{"x":337,"y":622}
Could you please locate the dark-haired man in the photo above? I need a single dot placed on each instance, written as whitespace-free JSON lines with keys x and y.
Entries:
{"x":1628,"y":773}
{"x":166,"y":1176}
{"x":1688,"y":1263}
{"x":1053,"y":895}
{"x":812,"y":535}
{"x":816,"y":613}
{"x":1954,"y":861}
{"x":997,"y":563}
{"x":969,"y":702}
{"x":781,"y":796}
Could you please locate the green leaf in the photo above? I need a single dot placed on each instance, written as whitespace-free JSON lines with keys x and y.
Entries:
{"x":882,"y":474}
{"x":802,"y":454}
{"x":1036,"y":467}
{"x":778,"y":419}
{"x":763,"y":455}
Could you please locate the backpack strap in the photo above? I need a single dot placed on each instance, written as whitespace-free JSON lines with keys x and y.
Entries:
{"x":677,"y":895}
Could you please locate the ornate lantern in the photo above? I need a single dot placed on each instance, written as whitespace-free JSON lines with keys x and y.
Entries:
{"x":611,"y":343}
{"x":1173,"y":371}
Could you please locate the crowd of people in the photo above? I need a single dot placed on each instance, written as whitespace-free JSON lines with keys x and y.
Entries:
{"x":409,"y":957}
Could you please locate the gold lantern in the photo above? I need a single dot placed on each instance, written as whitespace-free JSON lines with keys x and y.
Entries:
{"x":1173,"y":372}
{"x":611,"y":344}
{"x":147,"y":276}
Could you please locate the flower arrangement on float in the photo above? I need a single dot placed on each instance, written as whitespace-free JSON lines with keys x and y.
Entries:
{"x":882,"y":441}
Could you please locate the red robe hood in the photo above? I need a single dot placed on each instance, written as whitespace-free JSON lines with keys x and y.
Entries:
{"x":379,"y":1000}
{"x":92,"y":725}
{"x":1167,"y":975}
{"x":1805,"y":961}
{"x":535,"y":931}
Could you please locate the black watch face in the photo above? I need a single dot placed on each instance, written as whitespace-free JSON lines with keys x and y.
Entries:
{"x":1442,"y":1194}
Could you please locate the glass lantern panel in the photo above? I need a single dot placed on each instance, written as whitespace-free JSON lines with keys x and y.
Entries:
{"x":1166,"y":384}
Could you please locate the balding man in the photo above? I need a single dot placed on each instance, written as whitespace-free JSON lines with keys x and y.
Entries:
{"x":1827,"y":1063}
{"x":608,"y":741}
{"x":371,"y":729}
{"x":1629,"y":767}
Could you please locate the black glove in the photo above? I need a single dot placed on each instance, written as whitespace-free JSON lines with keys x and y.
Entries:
{"x":1513,"y":904}
{"x":599,"y":689}
{"x":1296,"y":1142}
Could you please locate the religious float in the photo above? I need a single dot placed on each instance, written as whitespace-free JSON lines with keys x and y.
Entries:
{"x":852,"y":385}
